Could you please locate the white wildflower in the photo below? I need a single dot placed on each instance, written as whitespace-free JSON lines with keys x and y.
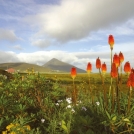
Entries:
{"x":42,"y":120}
{"x":73,"y":110}
{"x":83,"y":108}
{"x":69,"y":100}
{"x":80,"y":101}
{"x":60,"y":123}
{"x":98,"y":103}
{"x":69,"y":106}
{"x":60,"y":101}
{"x":57,"y":104}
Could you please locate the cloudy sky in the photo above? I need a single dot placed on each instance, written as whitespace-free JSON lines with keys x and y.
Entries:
{"x":73,"y":31}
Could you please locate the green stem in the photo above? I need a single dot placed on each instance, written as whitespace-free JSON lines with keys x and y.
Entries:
{"x":89,"y":83}
{"x":129,"y":99}
{"x":118,"y":92}
{"x":111,"y":58}
{"x":104,"y":90}
{"x":121,"y":73}
{"x":113,"y":99}
{"x":111,"y":85}
{"x":73,"y":81}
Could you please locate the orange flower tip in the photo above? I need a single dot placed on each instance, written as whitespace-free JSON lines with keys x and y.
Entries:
{"x":127,"y":67}
{"x":89,"y":67}
{"x":121,"y":57}
{"x":116,"y":60}
{"x":98,"y":63}
{"x":111,"y":41}
{"x":73,"y":72}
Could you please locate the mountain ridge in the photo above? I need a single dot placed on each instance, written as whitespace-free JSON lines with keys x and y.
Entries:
{"x":56,"y":64}
{"x":53,"y":65}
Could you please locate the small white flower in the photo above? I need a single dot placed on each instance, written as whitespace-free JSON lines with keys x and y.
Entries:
{"x":42,"y":120}
{"x":60,"y":101}
{"x":57,"y":104}
{"x":98,"y":103}
{"x":69,"y":100}
{"x":60,"y":123}
{"x":80,"y":101}
{"x":73,"y":110}
{"x":83,"y":108}
{"x":69,"y":106}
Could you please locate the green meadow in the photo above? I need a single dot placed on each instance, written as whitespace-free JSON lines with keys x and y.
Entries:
{"x":52,"y":104}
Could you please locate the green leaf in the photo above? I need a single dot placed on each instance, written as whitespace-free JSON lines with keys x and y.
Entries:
{"x":63,"y":122}
{"x":114,"y":118}
{"x":108,"y":115}
{"x":126,"y":120}
{"x":64,"y":127}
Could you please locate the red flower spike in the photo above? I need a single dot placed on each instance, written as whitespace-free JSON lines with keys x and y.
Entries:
{"x":121,"y":57}
{"x":73,"y":72}
{"x":111,"y":41}
{"x":130,"y":81}
{"x":132,"y":70}
{"x":89,"y":67}
{"x":98,"y":63}
{"x":127,"y":68}
{"x":116,"y":60}
{"x":114,"y":72}
{"x":104,"y":67}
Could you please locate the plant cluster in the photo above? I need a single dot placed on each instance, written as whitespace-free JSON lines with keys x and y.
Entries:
{"x":33,"y":104}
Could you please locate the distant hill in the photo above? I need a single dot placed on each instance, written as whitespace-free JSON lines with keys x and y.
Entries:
{"x":23,"y":66}
{"x":58,"y":65}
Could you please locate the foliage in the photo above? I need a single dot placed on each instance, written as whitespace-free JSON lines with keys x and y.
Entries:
{"x":33,"y":104}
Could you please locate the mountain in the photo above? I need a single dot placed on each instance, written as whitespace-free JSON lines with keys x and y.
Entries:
{"x":23,"y":67}
{"x":58,"y":65}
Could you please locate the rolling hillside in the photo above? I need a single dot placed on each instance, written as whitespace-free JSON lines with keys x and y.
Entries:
{"x":23,"y":66}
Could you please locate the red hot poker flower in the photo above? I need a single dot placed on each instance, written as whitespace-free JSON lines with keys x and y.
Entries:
{"x":116,"y":60}
{"x":111,"y":41}
{"x":114,"y":72}
{"x":127,"y":68}
{"x":132,"y":70}
{"x":104,"y":67}
{"x":98,"y":63}
{"x":73,"y":72}
{"x":89,"y":67}
{"x":121,"y":57}
{"x":130,"y":81}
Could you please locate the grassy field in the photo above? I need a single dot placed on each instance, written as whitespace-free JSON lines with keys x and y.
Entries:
{"x":29,"y":104}
{"x":94,"y":77}
{"x":82,"y":81}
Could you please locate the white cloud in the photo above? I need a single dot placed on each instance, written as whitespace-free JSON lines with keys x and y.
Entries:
{"x":8,"y":35}
{"x":75,"y":19}
{"x":17,"y":47}
{"x":41,"y":43}
{"x":124,"y":29}
{"x":8,"y":57}
{"x":78,"y":59}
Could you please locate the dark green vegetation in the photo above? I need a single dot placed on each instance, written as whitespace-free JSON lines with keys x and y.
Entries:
{"x":8,"y":75}
{"x":43,"y":103}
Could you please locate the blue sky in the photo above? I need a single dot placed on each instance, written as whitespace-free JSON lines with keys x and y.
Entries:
{"x":73,"y":31}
